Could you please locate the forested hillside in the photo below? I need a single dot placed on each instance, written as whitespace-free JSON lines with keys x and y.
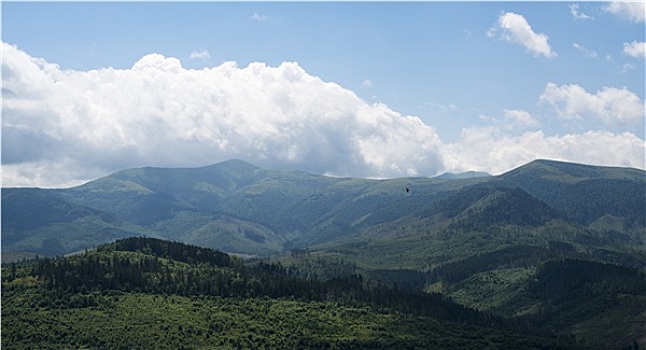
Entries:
{"x":152,"y":294}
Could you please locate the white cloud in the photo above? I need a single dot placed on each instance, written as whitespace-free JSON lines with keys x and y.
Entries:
{"x":578,"y":15}
{"x":58,"y":172}
{"x":626,"y":68}
{"x":586,"y":52}
{"x":492,"y":150}
{"x":63,"y":127}
{"x":161,"y":114}
{"x":519,"y":119}
{"x":258,"y":17}
{"x":516,"y":29}
{"x":512,"y":121}
{"x":635,"y":49}
{"x":630,"y":10}
{"x":367,"y":83}
{"x":611,"y":105}
{"x":503,"y":145}
{"x":204,"y":54}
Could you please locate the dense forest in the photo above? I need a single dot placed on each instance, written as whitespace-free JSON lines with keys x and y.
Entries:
{"x":146,"y":265}
{"x":167,"y":277}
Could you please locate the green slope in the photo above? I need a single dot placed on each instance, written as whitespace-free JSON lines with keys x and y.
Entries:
{"x":39,"y":221}
{"x":585,"y":193}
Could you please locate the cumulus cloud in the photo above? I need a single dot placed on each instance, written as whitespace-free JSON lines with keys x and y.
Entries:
{"x":204,"y":54}
{"x":634,"y":11}
{"x":519,"y":119}
{"x":512,"y":120}
{"x":635,"y":49}
{"x":610,"y":104}
{"x":516,"y":29}
{"x":159,"y":113}
{"x":493,"y":150}
{"x":63,"y":127}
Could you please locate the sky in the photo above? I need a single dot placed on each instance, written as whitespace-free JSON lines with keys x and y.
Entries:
{"x":361,"y":89}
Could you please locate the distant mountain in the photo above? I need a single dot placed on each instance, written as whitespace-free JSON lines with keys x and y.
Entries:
{"x":238,"y":207}
{"x":500,"y":206}
{"x":30,"y":208}
{"x":41,"y":221}
{"x":464,"y":175}
{"x":585,"y":193}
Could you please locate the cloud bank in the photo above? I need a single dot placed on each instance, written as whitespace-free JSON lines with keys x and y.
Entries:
{"x":159,"y":113}
{"x":503,"y":150}
{"x":63,"y":127}
{"x":611,"y":105}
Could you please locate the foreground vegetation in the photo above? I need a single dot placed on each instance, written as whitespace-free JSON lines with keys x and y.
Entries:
{"x":148,"y":321}
{"x":47,"y":306}
{"x":599,"y":296}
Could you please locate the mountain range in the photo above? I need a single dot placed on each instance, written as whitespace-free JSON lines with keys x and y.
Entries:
{"x":237,"y":207}
{"x":559,"y":246}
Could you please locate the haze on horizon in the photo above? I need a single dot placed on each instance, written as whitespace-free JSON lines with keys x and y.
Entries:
{"x":386,"y":90}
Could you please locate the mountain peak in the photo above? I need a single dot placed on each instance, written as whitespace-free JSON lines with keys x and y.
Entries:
{"x":573,"y":172}
{"x":236,"y":164}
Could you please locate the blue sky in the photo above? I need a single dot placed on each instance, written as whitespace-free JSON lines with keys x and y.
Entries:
{"x":464,"y":70}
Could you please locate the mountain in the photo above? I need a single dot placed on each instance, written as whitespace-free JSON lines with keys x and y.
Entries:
{"x":464,"y":175}
{"x":585,"y":193}
{"x":40,"y":221}
{"x":478,"y":207}
{"x":241,"y":208}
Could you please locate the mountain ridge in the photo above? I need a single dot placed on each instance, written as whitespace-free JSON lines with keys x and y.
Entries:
{"x":463,"y":175}
{"x":290,"y":208}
